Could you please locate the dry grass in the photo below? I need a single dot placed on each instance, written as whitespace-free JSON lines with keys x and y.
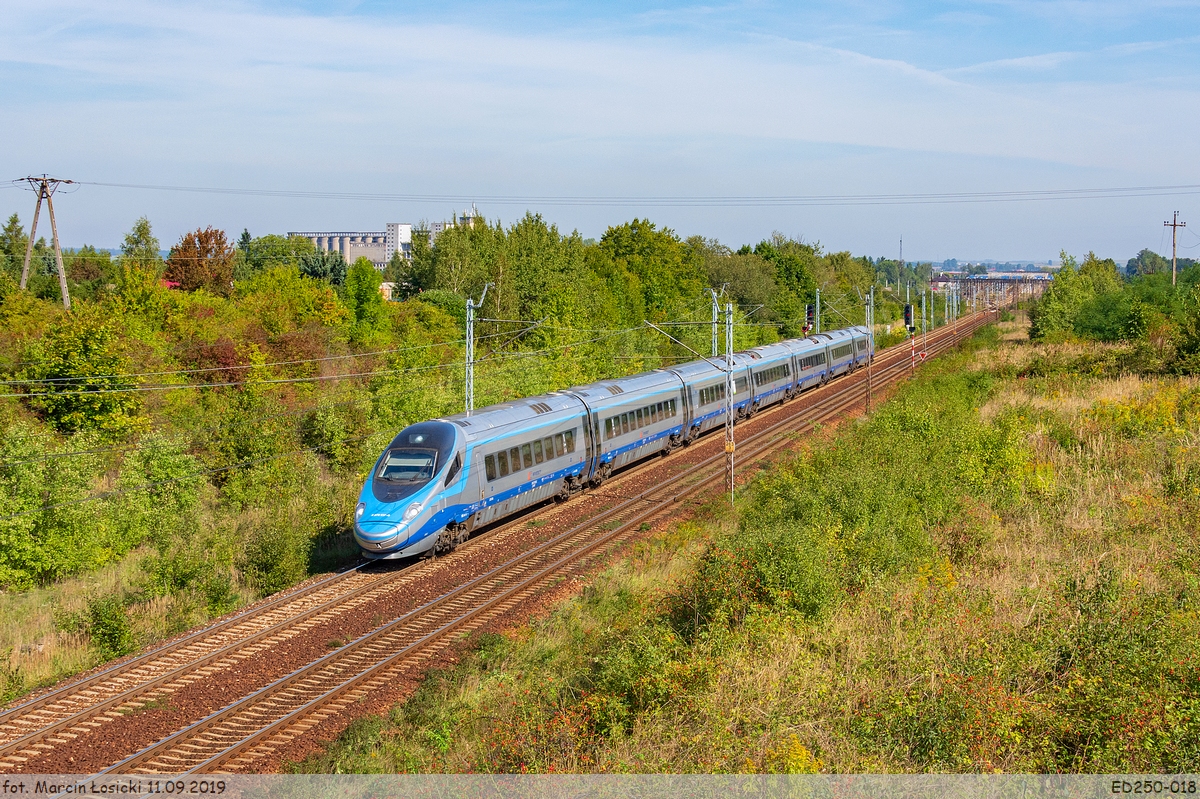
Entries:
{"x":31,"y":633}
{"x":951,"y":665}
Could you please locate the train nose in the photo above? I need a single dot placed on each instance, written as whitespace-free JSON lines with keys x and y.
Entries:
{"x":378,"y":535}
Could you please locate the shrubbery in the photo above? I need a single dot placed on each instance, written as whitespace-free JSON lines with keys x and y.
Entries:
{"x":940,"y":588}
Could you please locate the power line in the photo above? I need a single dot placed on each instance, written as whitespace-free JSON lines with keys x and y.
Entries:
{"x":193,"y":434}
{"x":59,"y":380}
{"x":691,"y":201}
{"x":168,"y":387}
{"x":156,"y":484}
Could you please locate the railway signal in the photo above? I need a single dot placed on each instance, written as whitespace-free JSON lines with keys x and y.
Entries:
{"x":810,"y":317}
{"x":908,"y":319}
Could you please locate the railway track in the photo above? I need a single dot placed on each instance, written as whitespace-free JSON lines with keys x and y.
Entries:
{"x":268,"y":719}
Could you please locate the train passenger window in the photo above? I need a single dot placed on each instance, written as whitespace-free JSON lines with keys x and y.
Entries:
{"x":514,"y":459}
{"x":608,"y":428}
{"x":654,"y":413}
{"x":570,"y":439}
{"x":559,"y":448}
{"x":527,"y":456}
{"x":537,"y":451}
{"x":640,"y":423}
{"x":624,"y":423}
{"x":489,"y":466}
{"x":548,"y":446}
{"x":660,"y":410}
{"x":502,"y":462}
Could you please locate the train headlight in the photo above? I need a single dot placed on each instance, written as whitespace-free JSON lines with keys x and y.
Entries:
{"x":360,"y":510}
{"x":412,"y":512}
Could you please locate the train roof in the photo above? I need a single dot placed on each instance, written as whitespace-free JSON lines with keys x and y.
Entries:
{"x":694,"y":370}
{"x":513,"y":412}
{"x":802,"y":345}
{"x":607,"y":389}
{"x":768,"y":351}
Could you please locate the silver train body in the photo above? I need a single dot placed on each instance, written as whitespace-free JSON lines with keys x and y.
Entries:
{"x":439,"y":480}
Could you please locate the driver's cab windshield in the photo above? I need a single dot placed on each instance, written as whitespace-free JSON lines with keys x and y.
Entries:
{"x":408,"y":465}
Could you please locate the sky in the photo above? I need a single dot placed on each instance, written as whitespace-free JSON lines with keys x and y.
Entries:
{"x":540,"y":101}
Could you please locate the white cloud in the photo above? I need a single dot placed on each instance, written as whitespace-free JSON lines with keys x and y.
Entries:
{"x":221,"y":94}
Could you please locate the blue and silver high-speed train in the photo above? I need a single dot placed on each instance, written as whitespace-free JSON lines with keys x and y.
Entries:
{"x":439,"y":480}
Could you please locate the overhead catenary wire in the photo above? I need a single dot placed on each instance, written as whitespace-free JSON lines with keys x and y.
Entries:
{"x":267,"y":365}
{"x":235,"y":367}
{"x":242,"y":464}
{"x":158,"y":483}
{"x":191,"y":433}
{"x":190,"y":436}
{"x":291,"y":380}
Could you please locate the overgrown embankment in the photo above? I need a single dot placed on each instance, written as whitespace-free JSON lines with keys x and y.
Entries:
{"x":997,"y":571}
{"x":193,"y":433}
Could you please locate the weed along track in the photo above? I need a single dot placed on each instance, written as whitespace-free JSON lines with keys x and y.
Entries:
{"x":236,"y":694}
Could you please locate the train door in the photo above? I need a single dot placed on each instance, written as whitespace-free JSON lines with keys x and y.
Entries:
{"x":686,"y":411}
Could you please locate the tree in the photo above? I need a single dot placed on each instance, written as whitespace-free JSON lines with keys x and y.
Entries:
{"x":796,"y":264}
{"x":140,"y":248}
{"x":327,"y":266}
{"x":202,"y":259}
{"x":78,"y":366}
{"x":266,"y":252}
{"x":361,"y":296}
{"x":1147,"y":262}
{"x":666,"y":270}
{"x":12,"y":246}
{"x":411,"y":276}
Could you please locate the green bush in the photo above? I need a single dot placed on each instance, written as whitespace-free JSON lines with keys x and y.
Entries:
{"x":77,"y":366}
{"x":108,"y":627}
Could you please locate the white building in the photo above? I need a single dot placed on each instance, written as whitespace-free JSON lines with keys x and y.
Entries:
{"x":468,"y":219}
{"x":378,"y":248}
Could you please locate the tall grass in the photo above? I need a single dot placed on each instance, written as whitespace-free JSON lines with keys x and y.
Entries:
{"x":994,"y":572}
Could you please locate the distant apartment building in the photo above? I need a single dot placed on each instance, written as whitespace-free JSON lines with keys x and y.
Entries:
{"x":466,"y":219}
{"x":378,"y":248}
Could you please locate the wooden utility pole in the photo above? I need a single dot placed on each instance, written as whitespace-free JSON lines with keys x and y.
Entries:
{"x":45,"y":188}
{"x":1174,"y":224}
